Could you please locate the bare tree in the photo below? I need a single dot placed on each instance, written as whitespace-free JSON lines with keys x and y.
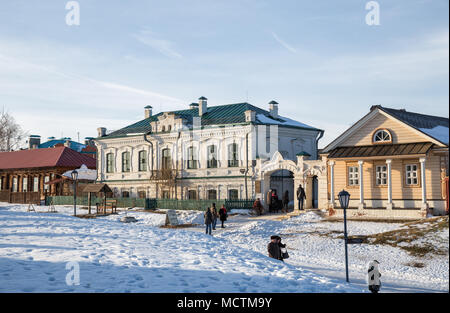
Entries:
{"x":11,"y":134}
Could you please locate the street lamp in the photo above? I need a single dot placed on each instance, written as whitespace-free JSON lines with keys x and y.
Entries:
{"x":74,"y":178}
{"x":344,"y":198}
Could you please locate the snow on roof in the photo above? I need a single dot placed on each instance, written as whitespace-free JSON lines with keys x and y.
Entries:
{"x":284,"y":121}
{"x":83,"y":173}
{"x":439,"y":132}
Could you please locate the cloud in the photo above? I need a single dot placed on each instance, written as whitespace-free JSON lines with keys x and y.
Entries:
{"x":283,"y":43}
{"x":165,"y":47}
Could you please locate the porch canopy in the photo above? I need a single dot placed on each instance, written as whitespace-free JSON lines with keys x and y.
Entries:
{"x":96,"y":188}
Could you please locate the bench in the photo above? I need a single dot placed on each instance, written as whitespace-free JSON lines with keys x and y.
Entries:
{"x":110,"y":204}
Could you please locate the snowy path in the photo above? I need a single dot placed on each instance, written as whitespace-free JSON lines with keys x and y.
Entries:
{"x":117,"y":257}
{"x":141,"y":257}
{"x":324,"y":255}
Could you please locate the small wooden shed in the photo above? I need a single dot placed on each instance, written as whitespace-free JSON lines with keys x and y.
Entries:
{"x":96,"y":189}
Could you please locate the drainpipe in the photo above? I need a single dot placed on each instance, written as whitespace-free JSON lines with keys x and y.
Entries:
{"x":317,"y":143}
{"x":246,"y":164}
{"x":176,"y":167}
{"x":151,"y":144}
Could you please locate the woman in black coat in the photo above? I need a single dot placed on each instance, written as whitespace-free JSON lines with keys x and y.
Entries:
{"x":223,"y":215}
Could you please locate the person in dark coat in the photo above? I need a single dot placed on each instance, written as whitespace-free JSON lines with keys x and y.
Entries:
{"x":208,"y":220}
{"x":257,"y":207}
{"x":223,"y":215}
{"x":274,"y":198}
{"x":301,"y":196}
{"x":280,"y":245}
{"x":285,"y":201}
{"x":274,"y":249}
{"x":215,"y":216}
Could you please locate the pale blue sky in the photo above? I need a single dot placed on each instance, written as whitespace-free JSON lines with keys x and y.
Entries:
{"x":318,"y":59}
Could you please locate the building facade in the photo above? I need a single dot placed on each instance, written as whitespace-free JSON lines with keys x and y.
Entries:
{"x":26,"y":175}
{"x":206,"y":152}
{"x":392,"y":162}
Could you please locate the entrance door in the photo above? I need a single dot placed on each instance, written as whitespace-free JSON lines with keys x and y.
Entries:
{"x":315,"y":192}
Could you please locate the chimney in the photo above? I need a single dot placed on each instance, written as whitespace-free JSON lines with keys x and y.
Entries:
{"x":193,"y":106}
{"x":67,"y":142}
{"x":273,"y":108}
{"x":101,"y":131}
{"x":34,"y":141}
{"x":148,"y":111}
{"x":250,"y":116}
{"x":202,"y":106}
{"x":89,"y":141}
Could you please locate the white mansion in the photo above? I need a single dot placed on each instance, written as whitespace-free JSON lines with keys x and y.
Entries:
{"x":234,"y":151}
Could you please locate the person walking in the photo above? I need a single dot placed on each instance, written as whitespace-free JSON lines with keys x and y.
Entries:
{"x":274,"y":197}
{"x":257,"y":207}
{"x":274,"y":249}
{"x":223,"y":215}
{"x":215,"y":215}
{"x":301,"y":196}
{"x":285,"y":202}
{"x":208,"y":220}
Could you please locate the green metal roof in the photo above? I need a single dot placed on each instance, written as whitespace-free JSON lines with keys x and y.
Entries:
{"x":215,"y":116}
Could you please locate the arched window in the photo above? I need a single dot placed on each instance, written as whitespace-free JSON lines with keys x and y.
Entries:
{"x":382,"y":135}
{"x":142,"y":161}
{"x":169,"y":128}
{"x":126,"y":161}
{"x":212,"y":156}
{"x":163,"y":129}
{"x":233,"y":160}
{"x":166,"y":162}
{"x":192,"y":158}
{"x":109,"y":163}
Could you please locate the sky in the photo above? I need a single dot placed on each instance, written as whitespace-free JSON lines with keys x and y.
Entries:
{"x":319,"y":60}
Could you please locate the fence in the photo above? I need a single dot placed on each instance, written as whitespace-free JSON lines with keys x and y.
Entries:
{"x":154,"y":203}
{"x":19,"y":197}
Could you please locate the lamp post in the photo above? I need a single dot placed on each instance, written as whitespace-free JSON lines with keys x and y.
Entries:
{"x":74,"y":178}
{"x":344,"y":198}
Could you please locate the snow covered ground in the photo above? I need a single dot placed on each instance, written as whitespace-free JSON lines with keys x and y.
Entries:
{"x":142,"y":257}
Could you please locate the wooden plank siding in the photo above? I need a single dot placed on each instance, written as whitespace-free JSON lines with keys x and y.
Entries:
{"x":400,"y":133}
{"x":400,"y":191}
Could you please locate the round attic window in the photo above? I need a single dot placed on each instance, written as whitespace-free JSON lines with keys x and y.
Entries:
{"x":382,"y":135}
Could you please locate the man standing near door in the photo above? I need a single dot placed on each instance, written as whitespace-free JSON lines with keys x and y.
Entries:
{"x":301,"y":196}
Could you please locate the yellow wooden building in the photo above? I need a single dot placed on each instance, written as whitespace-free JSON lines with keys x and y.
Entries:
{"x":392,"y":162}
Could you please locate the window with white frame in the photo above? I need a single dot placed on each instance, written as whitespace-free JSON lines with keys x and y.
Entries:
{"x":46,"y":180}
{"x":126,"y":161}
{"x":192,"y":158}
{"x":353,"y":176}
{"x":212,"y":156}
{"x":166,"y":162}
{"x":35,"y":184}
{"x":233,"y":194}
{"x":382,"y":135}
{"x":411,"y":174}
{"x":14,"y":184}
{"x":109,"y":163}
{"x":142,"y":161}
{"x":381,"y":175}
{"x":233,"y":160}
{"x":212,"y":194}
{"x":25,"y":184}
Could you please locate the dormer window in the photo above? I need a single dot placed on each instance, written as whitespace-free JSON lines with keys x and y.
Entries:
{"x":382,"y":136}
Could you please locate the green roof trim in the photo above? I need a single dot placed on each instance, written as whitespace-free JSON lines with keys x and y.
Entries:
{"x":303,"y":153}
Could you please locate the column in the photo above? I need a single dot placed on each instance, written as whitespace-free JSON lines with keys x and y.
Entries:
{"x":389,"y":181}
{"x":361,"y":185}
{"x":332,"y":163}
{"x":423,"y":182}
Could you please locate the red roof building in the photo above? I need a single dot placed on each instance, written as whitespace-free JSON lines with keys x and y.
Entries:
{"x":28,"y":171}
